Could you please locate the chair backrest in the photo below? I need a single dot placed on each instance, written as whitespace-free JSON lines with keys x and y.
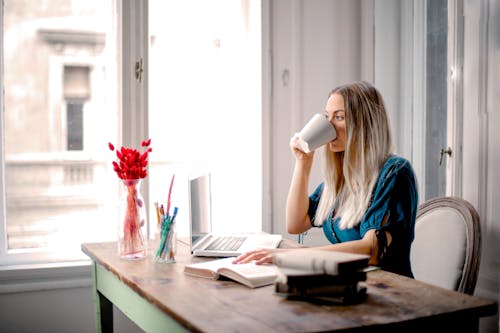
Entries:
{"x":446,"y":250}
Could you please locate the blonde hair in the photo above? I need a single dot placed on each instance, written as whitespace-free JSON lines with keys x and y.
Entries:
{"x":350,"y":176}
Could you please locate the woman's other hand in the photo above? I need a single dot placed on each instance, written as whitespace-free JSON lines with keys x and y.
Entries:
{"x":261,"y":256}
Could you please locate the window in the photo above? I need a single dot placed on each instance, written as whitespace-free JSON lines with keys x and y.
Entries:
{"x":60,"y":110}
{"x":74,"y":125}
{"x":62,"y":106}
{"x":411,"y":67}
{"x":205,"y":106}
{"x":77,"y":90}
{"x":436,"y":98}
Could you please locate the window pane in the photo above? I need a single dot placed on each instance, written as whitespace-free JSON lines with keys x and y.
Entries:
{"x":205,"y":105}
{"x":60,"y":112}
{"x":436,"y":92}
{"x":75,"y":125}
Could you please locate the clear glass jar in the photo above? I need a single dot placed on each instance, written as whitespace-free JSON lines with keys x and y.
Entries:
{"x":165,"y":242}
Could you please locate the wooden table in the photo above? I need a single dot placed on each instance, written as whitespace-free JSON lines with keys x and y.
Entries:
{"x":161,"y":298}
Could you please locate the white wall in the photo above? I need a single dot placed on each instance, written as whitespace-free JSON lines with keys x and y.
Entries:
{"x":481,"y":153}
{"x":55,"y":310}
{"x":48,"y":311}
{"x":316,"y":46}
{"x":387,"y":67}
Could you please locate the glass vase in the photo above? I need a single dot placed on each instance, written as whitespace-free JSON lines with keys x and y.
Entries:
{"x":132,"y":226}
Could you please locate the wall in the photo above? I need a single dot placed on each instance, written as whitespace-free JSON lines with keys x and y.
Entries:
{"x":303,"y":71}
{"x":481,"y":155}
{"x":316,"y":46}
{"x":55,"y":310}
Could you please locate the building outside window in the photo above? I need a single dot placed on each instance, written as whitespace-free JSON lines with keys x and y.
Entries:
{"x":76,"y":87}
{"x":61,"y":109}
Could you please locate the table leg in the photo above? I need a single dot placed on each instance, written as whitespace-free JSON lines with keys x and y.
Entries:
{"x":103,"y":308}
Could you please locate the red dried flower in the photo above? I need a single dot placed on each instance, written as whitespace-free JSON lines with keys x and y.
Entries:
{"x":131,"y":163}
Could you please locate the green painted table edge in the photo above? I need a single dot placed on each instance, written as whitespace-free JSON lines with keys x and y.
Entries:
{"x":146,"y":315}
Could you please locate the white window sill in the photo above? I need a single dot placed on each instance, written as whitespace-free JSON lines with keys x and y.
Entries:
{"x":38,"y":277}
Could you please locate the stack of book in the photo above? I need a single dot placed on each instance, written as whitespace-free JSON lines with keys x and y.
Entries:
{"x":324,"y":276}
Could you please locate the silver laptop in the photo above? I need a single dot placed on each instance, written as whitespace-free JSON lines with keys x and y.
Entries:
{"x":202,"y":241}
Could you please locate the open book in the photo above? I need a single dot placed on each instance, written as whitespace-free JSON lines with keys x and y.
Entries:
{"x":250,"y":274}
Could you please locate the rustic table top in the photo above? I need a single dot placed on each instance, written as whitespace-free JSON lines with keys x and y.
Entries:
{"x":214,"y":305}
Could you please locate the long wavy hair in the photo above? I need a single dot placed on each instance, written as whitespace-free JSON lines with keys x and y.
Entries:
{"x":350,"y":176}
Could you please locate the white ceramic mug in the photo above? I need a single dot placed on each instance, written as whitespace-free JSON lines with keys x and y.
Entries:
{"x":317,"y":132}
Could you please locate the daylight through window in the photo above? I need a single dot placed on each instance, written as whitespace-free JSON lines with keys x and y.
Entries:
{"x":60,"y":112}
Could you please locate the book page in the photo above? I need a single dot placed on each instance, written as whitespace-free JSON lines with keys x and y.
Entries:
{"x":208,"y":269}
{"x":250,"y":274}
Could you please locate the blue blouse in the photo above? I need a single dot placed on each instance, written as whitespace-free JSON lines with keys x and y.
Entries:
{"x":395,"y":195}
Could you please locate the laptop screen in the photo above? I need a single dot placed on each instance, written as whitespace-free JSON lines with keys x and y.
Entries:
{"x":200,"y":207}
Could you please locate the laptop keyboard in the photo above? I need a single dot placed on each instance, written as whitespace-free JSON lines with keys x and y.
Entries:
{"x":225,"y":243}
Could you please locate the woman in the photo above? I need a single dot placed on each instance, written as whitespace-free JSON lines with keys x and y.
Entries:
{"x":368,"y":200}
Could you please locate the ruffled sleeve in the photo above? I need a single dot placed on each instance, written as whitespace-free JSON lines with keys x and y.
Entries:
{"x":395,"y":195}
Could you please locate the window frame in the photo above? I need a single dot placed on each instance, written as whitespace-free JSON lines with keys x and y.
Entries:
{"x":132,"y":44}
{"x":3,"y":238}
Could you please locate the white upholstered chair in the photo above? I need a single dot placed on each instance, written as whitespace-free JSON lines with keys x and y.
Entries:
{"x":446,"y":250}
